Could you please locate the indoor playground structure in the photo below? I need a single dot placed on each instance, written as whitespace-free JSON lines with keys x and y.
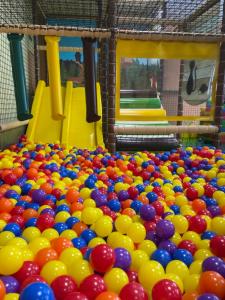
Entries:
{"x":112,"y":150}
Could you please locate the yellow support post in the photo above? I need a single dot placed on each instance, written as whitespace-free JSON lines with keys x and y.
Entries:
{"x":52,"y":43}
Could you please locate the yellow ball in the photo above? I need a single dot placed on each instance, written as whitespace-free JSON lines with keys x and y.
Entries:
{"x":43,"y":207}
{"x":202,"y":254}
{"x":103,"y":226}
{"x":2,"y":224}
{"x":89,"y":215}
{"x":138,"y":258}
{"x":175,"y":278}
{"x":113,"y":238}
{"x":12,"y":296}
{"x":136,"y":232}
{"x":62,"y":216}
{"x":18,"y":242}
{"x":221,"y":181}
{"x":155,"y":269}
{"x":27,"y":254}
{"x":191,"y":283}
{"x":39,"y":243}
{"x":208,"y":221}
{"x":50,"y":234}
{"x":119,"y":186}
{"x":80,"y":269}
{"x":96,"y":241}
{"x":31,"y":233}
{"x":218,"y":225}
{"x":176,"y":238}
{"x":77,"y":214}
{"x":89,"y":203}
{"x":180,"y":223}
{"x":69,"y":256}
{"x":115,"y":280}
{"x":122,"y":223}
{"x":69,"y":234}
{"x":192,"y":236}
{"x":52,"y":270}
{"x":204,"y":244}
{"x":5,"y":237}
{"x":11,"y":260}
{"x":200,"y":189}
{"x":177,"y":267}
{"x":147,"y":246}
{"x":196,"y":267}
{"x":85,"y":193}
{"x":124,"y":242}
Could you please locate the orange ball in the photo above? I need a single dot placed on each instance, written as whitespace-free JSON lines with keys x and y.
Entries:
{"x":72,"y":195}
{"x":79,"y":227}
{"x":18,"y":172}
{"x":32,"y":173}
{"x":47,"y":187}
{"x":5,"y":216}
{"x":126,"y":203}
{"x":198,"y":205}
{"x":150,"y":168}
{"x":34,"y":165}
{"x":143,"y":199}
{"x":76,"y":206}
{"x":45,"y":255}
{"x":30,"y":213}
{"x":26,"y":198}
{"x":129,"y":212}
{"x":212,"y":282}
{"x":2,"y":290}
{"x":190,"y":296}
{"x":59,"y":244}
{"x":6,"y":205}
{"x":107,"y":296}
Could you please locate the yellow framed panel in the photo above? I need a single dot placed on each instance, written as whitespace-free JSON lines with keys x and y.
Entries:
{"x":162,"y":50}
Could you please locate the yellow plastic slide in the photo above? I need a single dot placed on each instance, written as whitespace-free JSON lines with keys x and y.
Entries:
{"x":73,"y":130}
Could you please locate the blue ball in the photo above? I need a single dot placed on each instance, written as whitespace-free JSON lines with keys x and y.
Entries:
{"x":34,"y":206}
{"x":37,"y":291}
{"x":88,"y":235}
{"x":114,"y":205}
{"x":79,"y":243}
{"x":62,"y":207}
{"x":183,"y":255}
{"x":136,"y":205}
{"x":87,"y":254}
{"x":14,"y":228}
{"x":71,"y":221}
{"x":162,"y":256}
{"x":207,"y":235}
{"x":178,"y":189}
{"x":152,"y":197}
{"x":26,"y":188}
{"x":90,"y":183}
{"x":175,"y":209}
{"x":60,"y":227}
{"x":31,"y":222}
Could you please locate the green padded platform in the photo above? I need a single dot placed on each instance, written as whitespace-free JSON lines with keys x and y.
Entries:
{"x":150,"y":103}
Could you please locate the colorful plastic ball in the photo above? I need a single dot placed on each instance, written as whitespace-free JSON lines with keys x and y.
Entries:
{"x":147,"y":212}
{"x":114,"y":205}
{"x":62,"y":286}
{"x":133,"y":290}
{"x":183,"y":255}
{"x":208,"y":296}
{"x":45,"y":221}
{"x":69,"y":255}
{"x":11,"y":260}
{"x":217,"y":245}
{"x":197,"y":224}
{"x":167,"y":245}
{"x":218,"y":225}
{"x":14,"y":228}
{"x":38,"y":196}
{"x":45,"y":255}
{"x":50,"y":234}
{"x":177,"y":267}
{"x":30,"y":233}
{"x":175,"y":278}
{"x":165,"y":229}
{"x":212,"y":282}
{"x":102,"y":258}
{"x":192,"y":236}
{"x":103,"y":226}
{"x":188,"y":245}
{"x":215,"y":264}
{"x":31,"y":279}
{"x":207,"y":235}
{"x":2,"y":290}
{"x":191,"y":282}
{"x":11,"y":284}
{"x":136,"y":232}
{"x":5,"y":237}
{"x":60,"y":227}
{"x":138,"y":258}
{"x":28,"y":269}
{"x":38,"y":243}
{"x":162,"y":256}
{"x":92,"y":286}
{"x":12,"y":296}
{"x":52,"y":270}
{"x":79,"y":270}
{"x":88,"y":235}
{"x":76,"y":296}
{"x":115,"y":280}
{"x":37,"y":291}
{"x":122,"y":223}
{"x":79,"y":243}
{"x":180,"y":223}
{"x":122,"y":259}
{"x":71,"y":221}
{"x":151,"y":267}
{"x":147,"y":246}
{"x":166,"y":289}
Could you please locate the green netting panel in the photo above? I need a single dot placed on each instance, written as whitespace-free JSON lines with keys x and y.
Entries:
{"x":150,"y":103}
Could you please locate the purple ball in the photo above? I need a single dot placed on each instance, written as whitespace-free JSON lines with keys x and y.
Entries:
{"x":123,"y":259}
{"x":48,"y":211}
{"x":101,"y":200}
{"x":208,"y":296}
{"x":123,"y":195}
{"x":11,"y":284}
{"x":38,"y":196}
{"x":214,"y":210}
{"x":147,"y":212}
{"x":166,"y":214}
{"x":152,"y":236}
{"x":168,"y":246}
{"x":214,"y":263}
{"x":95,"y":193}
{"x":165,"y":229}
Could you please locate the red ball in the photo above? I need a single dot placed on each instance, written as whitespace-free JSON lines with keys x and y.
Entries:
{"x":31,"y":279}
{"x":18,"y":219}
{"x":76,"y":296}
{"x":150,"y":225}
{"x":29,"y":268}
{"x":188,"y":245}
{"x":209,"y":190}
{"x":158,"y":207}
{"x":10,"y":179}
{"x":217,"y":245}
{"x":132,"y":276}
{"x":133,"y":192}
{"x":134,"y":291}
{"x":92,"y":286}
{"x":17,"y":210}
{"x":63,"y":286}
{"x":45,"y":221}
{"x":197,"y":224}
{"x":102,"y":258}
{"x":166,"y":289}
{"x":191,"y":193}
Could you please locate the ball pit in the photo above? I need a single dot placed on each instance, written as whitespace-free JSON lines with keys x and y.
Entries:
{"x":79,"y":224}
